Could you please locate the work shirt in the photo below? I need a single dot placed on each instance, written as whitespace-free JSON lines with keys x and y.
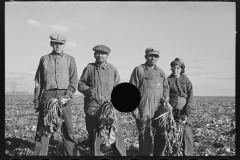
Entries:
{"x":152,"y":84}
{"x":103,"y":78}
{"x":182,"y":87}
{"x":54,"y":72}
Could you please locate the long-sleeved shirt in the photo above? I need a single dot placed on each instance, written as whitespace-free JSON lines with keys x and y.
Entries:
{"x":181,"y":86}
{"x":39,"y":77}
{"x":152,"y":84}
{"x":103,"y":78}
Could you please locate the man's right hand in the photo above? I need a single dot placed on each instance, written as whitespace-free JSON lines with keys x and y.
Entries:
{"x":135,"y":113}
{"x":90,"y":91}
{"x":36,"y":105}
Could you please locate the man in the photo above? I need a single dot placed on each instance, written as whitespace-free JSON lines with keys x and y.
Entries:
{"x":153,"y":86}
{"x":56,"y":77}
{"x":98,"y":79}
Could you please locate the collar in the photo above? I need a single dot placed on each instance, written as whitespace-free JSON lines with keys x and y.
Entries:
{"x":60,"y":54}
{"x":149,"y":68}
{"x":104,"y":66}
{"x":172,"y":76}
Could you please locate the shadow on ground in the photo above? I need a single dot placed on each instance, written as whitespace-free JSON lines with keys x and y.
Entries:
{"x":56,"y":147}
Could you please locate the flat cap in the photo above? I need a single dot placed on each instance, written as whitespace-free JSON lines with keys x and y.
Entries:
{"x":178,"y":61}
{"x":152,"y":50}
{"x":57,"y":37}
{"x":102,"y":48}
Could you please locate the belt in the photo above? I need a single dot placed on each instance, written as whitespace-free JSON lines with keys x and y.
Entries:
{"x":53,"y":89}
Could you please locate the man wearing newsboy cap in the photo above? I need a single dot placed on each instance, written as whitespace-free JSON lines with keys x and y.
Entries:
{"x":56,"y":77}
{"x":96,"y":83}
{"x":153,"y":86}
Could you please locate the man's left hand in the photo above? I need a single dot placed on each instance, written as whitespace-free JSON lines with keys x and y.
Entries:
{"x":183,"y":119}
{"x":63,"y":100}
{"x":165,"y":99}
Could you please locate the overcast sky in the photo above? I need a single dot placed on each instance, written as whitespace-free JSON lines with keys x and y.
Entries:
{"x":202,"y":33}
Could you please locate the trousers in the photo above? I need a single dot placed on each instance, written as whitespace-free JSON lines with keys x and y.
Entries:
{"x":150,"y":144}
{"x":187,"y":140}
{"x":118,"y":146}
{"x":42,"y":141}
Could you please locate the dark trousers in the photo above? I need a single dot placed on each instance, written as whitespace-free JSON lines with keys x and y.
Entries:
{"x":149,"y":145}
{"x":42,"y":141}
{"x":118,"y":146}
{"x":159,"y":141}
{"x":187,"y":141}
{"x":146,"y":139}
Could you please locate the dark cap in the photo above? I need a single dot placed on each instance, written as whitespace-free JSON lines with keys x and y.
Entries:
{"x":102,"y":48}
{"x":57,"y":37}
{"x":178,"y":61}
{"x":152,"y":50}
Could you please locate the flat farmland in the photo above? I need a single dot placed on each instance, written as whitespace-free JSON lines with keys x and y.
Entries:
{"x":214,"y":125}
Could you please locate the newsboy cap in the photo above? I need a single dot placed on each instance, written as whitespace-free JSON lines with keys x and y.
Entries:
{"x":102,"y":48}
{"x":57,"y":37}
{"x":178,"y":61}
{"x":152,"y":50}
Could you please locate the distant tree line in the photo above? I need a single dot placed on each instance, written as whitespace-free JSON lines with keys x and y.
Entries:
{"x":18,"y":93}
{"x":13,"y":90}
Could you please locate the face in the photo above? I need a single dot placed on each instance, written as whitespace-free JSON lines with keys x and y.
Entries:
{"x":58,"y":47}
{"x":100,"y":57}
{"x":151,"y":59}
{"x":176,"y":70}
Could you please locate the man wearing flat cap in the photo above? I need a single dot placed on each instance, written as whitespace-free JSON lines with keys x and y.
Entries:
{"x":56,"y":77}
{"x":96,"y":83}
{"x":153,"y":86}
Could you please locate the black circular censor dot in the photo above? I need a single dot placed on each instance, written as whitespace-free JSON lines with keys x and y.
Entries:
{"x":133,"y":159}
{"x":125,"y":97}
{"x":45,"y":158}
{"x":163,"y":159}
{"x":194,"y":159}
{"x":104,"y":158}
{"x":75,"y":159}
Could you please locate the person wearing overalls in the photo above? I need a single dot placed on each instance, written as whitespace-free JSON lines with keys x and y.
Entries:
{"x":152,"y":83}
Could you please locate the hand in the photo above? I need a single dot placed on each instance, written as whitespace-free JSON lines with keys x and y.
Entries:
{"x":69,"y":93}
{"x":165,"y":99}
{"x":63,"y":100}
{"x":135,"y":113}
{"x":91,"y":91}
{"x":183,"y":119}
{"x":36,"y":106}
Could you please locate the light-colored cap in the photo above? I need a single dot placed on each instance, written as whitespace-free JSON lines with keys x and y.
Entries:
{"x":57,"y":37}
{"x":102,"y":48}
{"x":152,"y":50}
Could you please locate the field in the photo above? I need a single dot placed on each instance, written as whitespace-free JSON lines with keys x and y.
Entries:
{"x":213,"y":127}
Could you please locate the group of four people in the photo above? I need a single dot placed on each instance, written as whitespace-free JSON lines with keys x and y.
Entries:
{"x":56,"y":77}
